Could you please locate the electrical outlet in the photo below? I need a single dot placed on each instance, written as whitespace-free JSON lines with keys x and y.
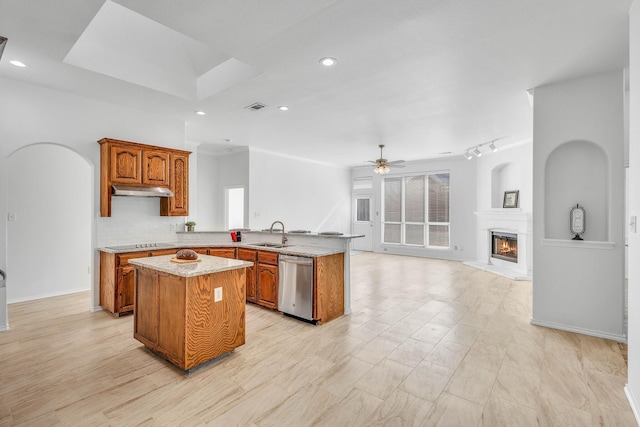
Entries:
{"x":12,"y":216}
{"x":217,"y":294}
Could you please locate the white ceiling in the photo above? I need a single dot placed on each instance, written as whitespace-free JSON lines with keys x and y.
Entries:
{"x":422,"y":77}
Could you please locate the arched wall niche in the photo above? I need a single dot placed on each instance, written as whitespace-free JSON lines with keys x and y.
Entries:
{"x":577,"y":172}
{"x":504,"y":177}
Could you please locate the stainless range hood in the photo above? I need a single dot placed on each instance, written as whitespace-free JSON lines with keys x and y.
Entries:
{"x":139,"y":191}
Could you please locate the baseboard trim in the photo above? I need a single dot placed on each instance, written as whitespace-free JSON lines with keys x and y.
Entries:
{"x":583,"y":331}
{"x":632,"y":402}
{"x":47,"y":295}
{"x":4,"y":328}
{"x":94,"y":309}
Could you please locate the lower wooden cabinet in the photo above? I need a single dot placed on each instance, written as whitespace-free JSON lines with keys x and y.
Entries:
{"x":117,"y":281}
{"x":118,"y":277}
{"x":251,"y":256}
{"x":262,"y":278}
{"x":328,"y":287}
{"x":267,"y":285}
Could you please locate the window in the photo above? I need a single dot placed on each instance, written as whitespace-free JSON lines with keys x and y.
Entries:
{"x":235,"y":207}
{"x":416,"y":210}
{"x":363,"y":210}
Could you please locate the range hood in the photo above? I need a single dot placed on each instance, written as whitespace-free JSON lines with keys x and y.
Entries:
{"x":139,"y":191}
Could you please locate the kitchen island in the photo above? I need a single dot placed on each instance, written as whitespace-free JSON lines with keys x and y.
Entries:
{"x":190,"y":313}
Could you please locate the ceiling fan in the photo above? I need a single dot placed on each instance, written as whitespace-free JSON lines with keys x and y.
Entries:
{"x":382,"y":164}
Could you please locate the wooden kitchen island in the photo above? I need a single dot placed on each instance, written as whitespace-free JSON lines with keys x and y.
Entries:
{"x":190,"y":313}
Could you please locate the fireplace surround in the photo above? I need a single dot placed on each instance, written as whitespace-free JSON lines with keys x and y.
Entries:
{"x":514,"y":222}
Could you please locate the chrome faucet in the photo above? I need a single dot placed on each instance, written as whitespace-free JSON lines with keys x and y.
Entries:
{"x":284,"y":238}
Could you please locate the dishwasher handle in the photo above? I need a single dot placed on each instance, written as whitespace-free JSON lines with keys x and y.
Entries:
{"x":296,"y":260}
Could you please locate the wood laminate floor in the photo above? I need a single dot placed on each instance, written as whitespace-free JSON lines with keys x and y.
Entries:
{"x":429,"y":343}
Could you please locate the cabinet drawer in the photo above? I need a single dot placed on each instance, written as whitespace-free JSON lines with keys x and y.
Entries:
{"x":268,"y":257}
{"x":223,"y":252}
{"x":201,"y":251}
{"x":246,"y":254}
{"x":123,"y":259}
{"x":160,"y":252}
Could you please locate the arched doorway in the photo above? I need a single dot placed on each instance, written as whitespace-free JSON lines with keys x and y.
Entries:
{"x":49,"y":228}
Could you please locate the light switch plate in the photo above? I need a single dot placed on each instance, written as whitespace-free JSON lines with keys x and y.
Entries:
{"x":217,"y":294}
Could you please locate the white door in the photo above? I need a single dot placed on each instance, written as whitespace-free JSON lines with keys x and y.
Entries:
{"x":363,"y":222}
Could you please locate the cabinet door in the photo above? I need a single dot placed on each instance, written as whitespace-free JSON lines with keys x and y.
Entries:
{"x":126,"y":165}
{"x":178,"y":205}
{"x":250,"y":255}
{"x":125,"y":288}
{"x":267,"y":285}
{"x":155,"y":168}
{"x":251,"y":284}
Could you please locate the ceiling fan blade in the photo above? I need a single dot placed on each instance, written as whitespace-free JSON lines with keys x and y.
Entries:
{"x":395,"y":162}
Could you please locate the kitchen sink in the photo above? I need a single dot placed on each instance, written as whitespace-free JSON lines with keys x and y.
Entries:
{"x":269,"y":245}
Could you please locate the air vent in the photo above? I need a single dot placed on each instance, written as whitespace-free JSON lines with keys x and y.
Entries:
{"x":255,"y":106}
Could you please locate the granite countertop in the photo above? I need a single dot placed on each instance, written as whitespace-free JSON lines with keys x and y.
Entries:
{"x":207,"y":265}
{"x":299,"y":250}
{"x":328,"y":234}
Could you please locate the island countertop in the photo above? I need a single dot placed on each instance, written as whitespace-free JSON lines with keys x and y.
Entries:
{"x":207,"y":265}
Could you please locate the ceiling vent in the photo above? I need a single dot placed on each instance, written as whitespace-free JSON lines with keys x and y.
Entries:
{"x":255,"y":106}
{"x":3,"y":42}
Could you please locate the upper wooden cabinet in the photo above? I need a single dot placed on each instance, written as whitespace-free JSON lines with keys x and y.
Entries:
{"x":130,"y":163}
{"x":126,"y":165}
{"x":178,"y":205}
{"x":155,"y":168}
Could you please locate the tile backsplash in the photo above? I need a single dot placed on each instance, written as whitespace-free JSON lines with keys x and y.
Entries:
{"x":137,"y":220}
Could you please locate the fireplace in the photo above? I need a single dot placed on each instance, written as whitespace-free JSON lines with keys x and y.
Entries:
{"x":504,"y":246}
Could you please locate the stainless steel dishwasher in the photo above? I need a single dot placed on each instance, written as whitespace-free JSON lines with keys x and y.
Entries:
{"x":295,"y":286}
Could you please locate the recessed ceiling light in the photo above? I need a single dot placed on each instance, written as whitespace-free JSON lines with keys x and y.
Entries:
{"x":328,"y":61}
{"x":283,"y":108}
{"x":200,"y":113}
{"x":17,"y":64}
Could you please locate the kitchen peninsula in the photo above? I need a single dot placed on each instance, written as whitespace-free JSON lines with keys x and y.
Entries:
{"x":331,"y":254}
{"x":190,"y":313}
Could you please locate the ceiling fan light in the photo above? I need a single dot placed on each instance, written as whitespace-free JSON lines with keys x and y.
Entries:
{"x":382,"y":169}
{"x":467,"y":155}
{"x":477,"y":152}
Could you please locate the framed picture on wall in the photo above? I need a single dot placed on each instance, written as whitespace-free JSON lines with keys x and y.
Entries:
{"x":510,"y":199}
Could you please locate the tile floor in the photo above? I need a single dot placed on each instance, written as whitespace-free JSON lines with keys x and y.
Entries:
{"x":429,"y":342}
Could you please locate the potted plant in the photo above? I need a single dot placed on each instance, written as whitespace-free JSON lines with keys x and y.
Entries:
{"x":191,"y":225}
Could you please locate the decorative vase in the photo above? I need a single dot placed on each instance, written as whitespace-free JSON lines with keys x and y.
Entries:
{"x":191,"y":227}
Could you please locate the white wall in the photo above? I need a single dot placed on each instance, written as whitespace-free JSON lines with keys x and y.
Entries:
{"x":206,"y":215}
{"x":302,"y":194}
{"x":31,"y":114}
{"x":49,"y":195}
{"x":462,"y":206}
{"x":579,"y":286}
{"x":633,"y":382}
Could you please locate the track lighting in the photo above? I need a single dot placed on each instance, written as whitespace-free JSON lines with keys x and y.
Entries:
{"x":476,"y":150}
